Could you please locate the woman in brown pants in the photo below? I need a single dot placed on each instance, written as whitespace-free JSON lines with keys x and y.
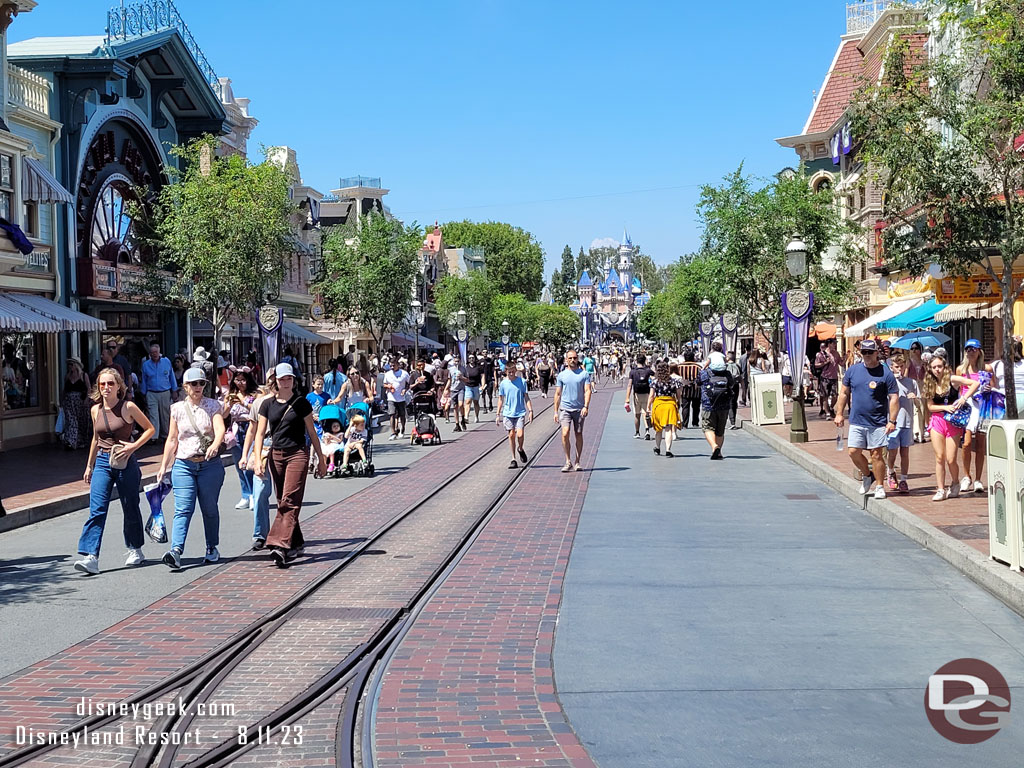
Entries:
{"x":288,"y":420}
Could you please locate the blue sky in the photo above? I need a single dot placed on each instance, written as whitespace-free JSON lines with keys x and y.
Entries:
{"x":570,"y":119}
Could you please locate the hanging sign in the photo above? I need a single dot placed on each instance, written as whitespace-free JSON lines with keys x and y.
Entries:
{"x":270,"y":320}
{"x":796,"y":308}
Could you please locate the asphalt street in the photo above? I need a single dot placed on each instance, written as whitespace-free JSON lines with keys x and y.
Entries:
{"x":46,"y":605}
{"x":739,"y":613}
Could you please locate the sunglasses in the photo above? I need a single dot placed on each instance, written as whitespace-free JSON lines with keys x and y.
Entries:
{"x":195,"y":383}
{"x":869,"y":351}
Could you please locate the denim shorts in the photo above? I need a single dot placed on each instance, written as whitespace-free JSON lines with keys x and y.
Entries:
{"x":866,"y":437}
{"x":514,"y":422}
{"x":903,"y":437}
{"x":472,"y":393}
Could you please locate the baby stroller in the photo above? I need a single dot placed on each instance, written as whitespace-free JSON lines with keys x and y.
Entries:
{"x":329,"y":415}
{"x":363,"y":469}
{"x":424,"y":430}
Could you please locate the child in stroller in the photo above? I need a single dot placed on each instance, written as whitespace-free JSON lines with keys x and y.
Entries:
{"x":333,"y":421}
{"x":424,"y":430}
{"x":359,"y":438}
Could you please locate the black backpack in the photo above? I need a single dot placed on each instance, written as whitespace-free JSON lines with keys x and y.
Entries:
{"x":717,"y":387}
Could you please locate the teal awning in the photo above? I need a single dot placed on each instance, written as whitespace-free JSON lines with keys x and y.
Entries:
{"x":917,"y":319}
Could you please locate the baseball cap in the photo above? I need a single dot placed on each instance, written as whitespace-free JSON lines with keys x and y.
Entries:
{"x":972,"y":344}
{"x":193,"y":374}
{"x":282,"y":370}
{"x":868,"y":345}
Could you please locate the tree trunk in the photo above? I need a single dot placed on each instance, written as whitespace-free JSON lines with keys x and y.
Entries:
{"x":1010,"y":388}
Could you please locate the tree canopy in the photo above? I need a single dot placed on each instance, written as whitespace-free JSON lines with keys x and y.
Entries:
{"x":942,"y":134}
{"x":514,"y":258}
{"x":473,"y":293}
{"x":369,"y":272}
{"x":221,"y":231}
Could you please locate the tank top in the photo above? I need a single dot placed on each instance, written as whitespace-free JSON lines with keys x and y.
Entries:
{"x":120,"y":430}
{"x":949,"y":397}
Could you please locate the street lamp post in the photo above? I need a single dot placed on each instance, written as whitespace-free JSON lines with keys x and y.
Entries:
{"x":705,"y":309}
{"x":461,"y":334}
{"x":417,"y":317}
{"x":797,"y":301}
{"x":505,"y":337}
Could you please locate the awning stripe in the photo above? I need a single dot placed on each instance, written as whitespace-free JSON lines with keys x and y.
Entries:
{"x":66,"y":318}
{"x":407,"y":339}
{"x":295,"y":332}
{"x":18,"y":317}
{"x":896,"y":308}
{"x":955,"y":312}
{"x":38,"y":184}
{"x":914,"y":319}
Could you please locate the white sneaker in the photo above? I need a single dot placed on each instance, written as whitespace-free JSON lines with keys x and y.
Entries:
{"x":865,"y":485}
{"x":89,"y":564}
{"x":252,"y":502}
{"x":393,"y":437}
{"x":212,"y":555}
{"x":135,"y":557}
{"x":242,"y":504}
{"x":978,"y":487}
{"x":965,"y":484}
{"x":879,"y":492}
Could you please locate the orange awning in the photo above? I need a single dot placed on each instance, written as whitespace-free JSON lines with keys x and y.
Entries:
{"x":823,"y":331}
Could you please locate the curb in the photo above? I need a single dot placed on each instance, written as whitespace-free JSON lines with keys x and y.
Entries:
{"x":19,"y":518}
{"x":994,"y":577}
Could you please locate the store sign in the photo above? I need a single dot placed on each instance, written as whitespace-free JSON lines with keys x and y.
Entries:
{"x":974,"y":289}
{"x":37,"y":262}
{"x":908,"y":287}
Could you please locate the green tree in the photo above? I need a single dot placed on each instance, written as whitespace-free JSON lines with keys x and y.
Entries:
{"x":593,"y":262}
{"x":554,"y":324}
{"x":473,"y":293}
{"x":563,"y":290}
{"x":941,"y":134}
{"x":746,"y":229}
{"x":514,"y":258}
{"x":515,"y":309}
{"x":652,"y":277}
{"x":369,"y":272}
{"x":221,"y":237}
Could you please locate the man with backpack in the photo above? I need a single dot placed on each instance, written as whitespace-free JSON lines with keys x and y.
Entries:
{"x":637,"y":390}
{"x":717,"y":388}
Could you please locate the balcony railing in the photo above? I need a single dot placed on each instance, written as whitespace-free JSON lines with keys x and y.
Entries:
{"x":138,"y":20}
{"x":27,"y":89}
{"x":360,"y":181}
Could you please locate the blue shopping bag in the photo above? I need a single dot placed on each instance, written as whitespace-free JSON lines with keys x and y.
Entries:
{"x":155,"y":494}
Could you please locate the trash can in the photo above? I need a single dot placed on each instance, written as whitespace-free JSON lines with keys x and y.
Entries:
{"x":766,"y":400}
{"x":1004,"y":470}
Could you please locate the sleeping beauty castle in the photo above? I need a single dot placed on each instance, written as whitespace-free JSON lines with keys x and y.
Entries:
{"x":608,"y":306}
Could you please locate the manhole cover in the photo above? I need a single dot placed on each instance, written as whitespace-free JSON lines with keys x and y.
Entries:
{"x":403,"y":557}
{"x":802,"y":496}
{"x":964,"y":532}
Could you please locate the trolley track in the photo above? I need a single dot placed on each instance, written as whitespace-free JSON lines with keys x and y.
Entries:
{"x":197,"y":681}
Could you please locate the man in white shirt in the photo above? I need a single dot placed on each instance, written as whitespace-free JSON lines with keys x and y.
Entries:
{"x":396,"y":382}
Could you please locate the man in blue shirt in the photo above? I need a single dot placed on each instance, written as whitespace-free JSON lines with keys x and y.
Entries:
{"x":873,"y":393}
{"x":572,"y":402}
{"x":514,"y":410}
{"x":334,"y":380}
{"x":157,"y":384}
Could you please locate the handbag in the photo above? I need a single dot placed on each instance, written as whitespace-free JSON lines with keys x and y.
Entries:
{"x":960,"y":416}
{"x":118,"y":455}
{"x":59,"y":426}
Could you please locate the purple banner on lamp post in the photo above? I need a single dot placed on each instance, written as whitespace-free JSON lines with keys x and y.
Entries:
{"x":797,"y":306}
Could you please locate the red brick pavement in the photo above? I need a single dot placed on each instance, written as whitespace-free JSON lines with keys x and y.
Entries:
{"x":472,"y":682}
{"x":162,"y":638}
{"x":964,"y":518}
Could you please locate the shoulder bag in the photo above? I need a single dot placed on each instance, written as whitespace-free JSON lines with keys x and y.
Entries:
{"x":205,"y":441}
{"x":960,"y":416}
{"x":118,"y":455}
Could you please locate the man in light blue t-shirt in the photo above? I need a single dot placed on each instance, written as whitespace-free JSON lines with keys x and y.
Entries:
{"x":572,"y":402}
{"x":514,"y":410}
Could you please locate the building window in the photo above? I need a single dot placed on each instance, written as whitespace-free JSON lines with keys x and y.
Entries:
{"x":19,"y":370}
{"x":6,"y":186}
{"x":30,"y":218}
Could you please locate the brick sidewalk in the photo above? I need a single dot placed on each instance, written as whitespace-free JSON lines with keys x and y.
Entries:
{"x":160,"y":639}
{"x":472,"y":682}
{"x":964,"y":518}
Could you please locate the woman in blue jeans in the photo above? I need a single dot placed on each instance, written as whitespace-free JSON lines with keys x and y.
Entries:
{"x":261,"y":485}
{"x":193,"y":444}
{"x":237,"y":408}
{"x":113,"y":419}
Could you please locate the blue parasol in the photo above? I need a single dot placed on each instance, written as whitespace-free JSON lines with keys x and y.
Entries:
{"x":924,"y":338}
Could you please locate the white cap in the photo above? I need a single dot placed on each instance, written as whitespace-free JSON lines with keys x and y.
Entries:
{"x":193,"y":374}
{"x":282,"y":370}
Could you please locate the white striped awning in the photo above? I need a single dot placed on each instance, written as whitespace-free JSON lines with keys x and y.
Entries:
{"x":955,"y":312}
{"x":296,"y":333}
{"x":29,"y":313}
{"x":887,"y":312}
{"x":38,"y":184}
